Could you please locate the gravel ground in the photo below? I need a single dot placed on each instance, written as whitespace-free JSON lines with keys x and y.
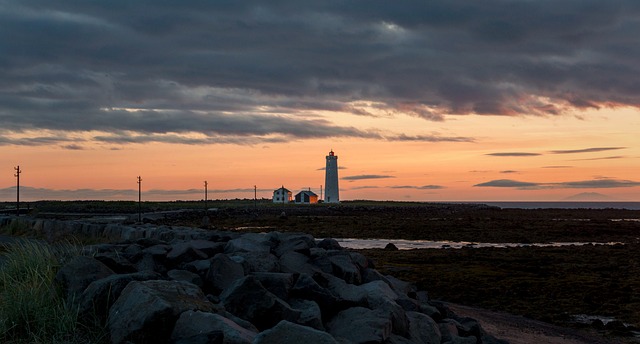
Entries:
{"x":520,"y":330}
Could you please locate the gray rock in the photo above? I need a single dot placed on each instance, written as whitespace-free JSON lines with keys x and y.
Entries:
{"x":307,"y":288}
{"x":423,"y":329}
{"x":382,"y":299}
{"x":345,"y":268}
{"x":116,"y":262}
{"x":186,"y":276}
{"x":449,"y":329}
{"x":249,"y":300}
{"x":349,"y":294}
{"x":199,"y":267}
{"x":259,"y":261}
{"x":207,"y":247}
{"x":310,"y":314}
{"x":146,"y":311}
{"x":297,"y":263}
{"x":286,"y":332}
{"x":360,"y":260}
{"x":75,"y":276}
{"x":279,"y":284}
{"x":401,"y":287}
{"x":150,"y":262}
{"x":249,"y":243}
{"x":94,"y":303}
{"x":205,"y":328}
{"x":184,"y":252}
{"x":301,"y":243}
{"x":360,"y":325}
{"x":223,"y":272}
{"x":320,"y":258}
{"x":330,"y":244}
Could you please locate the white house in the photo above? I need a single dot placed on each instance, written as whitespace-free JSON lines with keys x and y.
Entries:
{"x":282,"y":195}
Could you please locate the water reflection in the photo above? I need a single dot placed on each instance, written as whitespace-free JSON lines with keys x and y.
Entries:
{"x":401,"y":244}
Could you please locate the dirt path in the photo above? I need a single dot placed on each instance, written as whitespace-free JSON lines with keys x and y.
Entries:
{"x":520,"y":330}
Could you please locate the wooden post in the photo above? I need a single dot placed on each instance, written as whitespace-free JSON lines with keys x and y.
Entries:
{"x":139,"y":199}
{"x":17,"y":175}
{"x":206,"y":208}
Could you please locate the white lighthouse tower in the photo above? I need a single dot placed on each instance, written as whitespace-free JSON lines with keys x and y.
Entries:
{"x":331,"y":191}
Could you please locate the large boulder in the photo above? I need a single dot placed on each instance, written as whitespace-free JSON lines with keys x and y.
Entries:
{"x":207,"y":247}
{"x":360,"y":325}
{"x":116,"y":262}
{"x":279,"y":284}
{"x":330,"y":244}
{"x":307,"y":288}
{"x":249,"y":242}
{"x":286,"y":332}
{"x":146,"y":311}
{"x":423,"y":329}
{"x":184,"y":275}
{"x":300,"y":243}
{"x":195,"y":327}
{"x":249,"y":300}
{"x":296,"y":263}
{"x":184,"y":252}
{"x":258,"y":261}
{"x":381,"y":298}
{"x":75,"y":276}
{"x":222,"y":273}
{"x":310,"y":313}
{"x":96,"y":300}
{"x":344,"y":267}
{"x":349,"y":294}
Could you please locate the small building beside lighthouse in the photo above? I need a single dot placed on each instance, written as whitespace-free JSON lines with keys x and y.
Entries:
{"x":331,"y":192}
{"x":306,"y":197}
{"x":282,"y":195}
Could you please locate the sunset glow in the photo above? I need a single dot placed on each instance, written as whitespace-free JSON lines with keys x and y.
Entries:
{"x":416,"y":109}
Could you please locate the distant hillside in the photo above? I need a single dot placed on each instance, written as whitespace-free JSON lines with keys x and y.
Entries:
{"x":589,"y":196}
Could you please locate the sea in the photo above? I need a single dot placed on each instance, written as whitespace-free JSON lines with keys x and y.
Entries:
{"x":565,"y":205}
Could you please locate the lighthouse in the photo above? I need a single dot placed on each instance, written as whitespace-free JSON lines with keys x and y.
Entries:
{"x":331,"y":191}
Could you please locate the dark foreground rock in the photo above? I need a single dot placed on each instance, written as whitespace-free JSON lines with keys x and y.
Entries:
{"x":197,"y":286}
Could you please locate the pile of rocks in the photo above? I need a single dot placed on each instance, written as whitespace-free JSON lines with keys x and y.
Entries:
{"x":253,"y":288}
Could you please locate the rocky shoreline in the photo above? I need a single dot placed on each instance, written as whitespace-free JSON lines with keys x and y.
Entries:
{"x":158,"y":284}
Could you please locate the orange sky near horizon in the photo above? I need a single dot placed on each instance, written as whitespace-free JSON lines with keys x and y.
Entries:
{"x":370,"y":168}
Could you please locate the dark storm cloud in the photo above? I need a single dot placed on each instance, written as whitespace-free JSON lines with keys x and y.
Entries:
{"x":600,"y":183}
{"x":365,"y":187}
{"x":367,"y":176}
{"x":429,"y":138}
{"x":513,"y":154}
{"x":508,"y":183}
{"x":586,"y":150}
{"x":423,"y":187}
{"x":255,"y":68}
{"x":614,"y":157}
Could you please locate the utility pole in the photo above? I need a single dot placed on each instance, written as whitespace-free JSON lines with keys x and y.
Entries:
{"x":139,"y":199}
{"x":255,"y":196}
{"x":17,"y":175}
{"x":321,"y":191}
{"x":206,"y":209}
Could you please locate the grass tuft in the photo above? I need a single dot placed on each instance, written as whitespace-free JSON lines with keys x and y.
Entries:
{"x":32,"y":309}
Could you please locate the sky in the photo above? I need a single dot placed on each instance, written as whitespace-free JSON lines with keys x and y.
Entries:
{"x":499,"y":100}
